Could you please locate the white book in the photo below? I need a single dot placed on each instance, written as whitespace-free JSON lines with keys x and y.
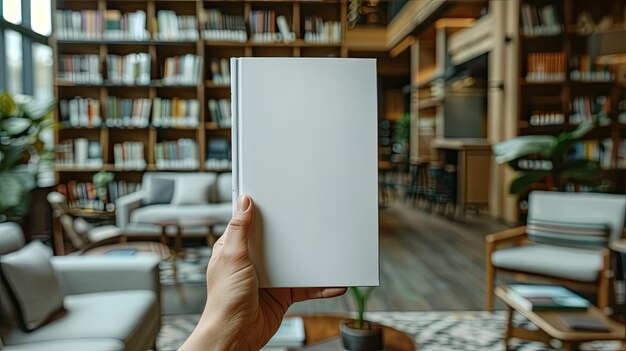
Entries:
{"x":81,"y":151}
{"x":305,"y":149}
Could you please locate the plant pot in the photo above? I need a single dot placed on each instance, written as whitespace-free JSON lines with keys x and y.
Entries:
{"x":361,"y":339}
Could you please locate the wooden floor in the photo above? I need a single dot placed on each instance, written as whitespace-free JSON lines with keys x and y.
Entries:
{"x":427,"y":262}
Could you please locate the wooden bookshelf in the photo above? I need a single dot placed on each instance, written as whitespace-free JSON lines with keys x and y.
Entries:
{"x":295,"y":12}
{"x":559,"y":96}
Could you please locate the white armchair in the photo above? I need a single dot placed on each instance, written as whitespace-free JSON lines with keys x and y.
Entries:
{"x":565,"y":240}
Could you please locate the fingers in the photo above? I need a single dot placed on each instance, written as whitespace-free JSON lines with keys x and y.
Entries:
{"x":303,"y":294}
{"x":236,"y":234}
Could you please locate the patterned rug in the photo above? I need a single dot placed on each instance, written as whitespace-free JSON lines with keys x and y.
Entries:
{"x":191,"y":267}
{"x":432,"y":331}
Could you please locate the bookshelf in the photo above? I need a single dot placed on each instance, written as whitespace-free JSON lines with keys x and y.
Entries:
{"x":145,"y":84}
{"x":560,"y":85}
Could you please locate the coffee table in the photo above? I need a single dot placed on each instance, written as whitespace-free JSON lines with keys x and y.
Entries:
{"x":551,"y":325}
{"x":319,"y":328}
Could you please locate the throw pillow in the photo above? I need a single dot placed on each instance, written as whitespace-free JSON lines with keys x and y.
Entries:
{"x":159,"y":191}
{"x":582,"y":235}
{"x":192,"y":190}
{"x":33,"y":284}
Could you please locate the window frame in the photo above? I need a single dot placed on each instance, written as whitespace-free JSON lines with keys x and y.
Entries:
{"x":28,"y":38}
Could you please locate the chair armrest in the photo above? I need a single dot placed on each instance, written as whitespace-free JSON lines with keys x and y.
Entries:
{"x":87,"y":274}
{"x":517,"y":234}
{"x":125,"y":205}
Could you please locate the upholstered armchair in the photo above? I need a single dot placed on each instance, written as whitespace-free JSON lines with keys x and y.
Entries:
{"x":565,"y":240}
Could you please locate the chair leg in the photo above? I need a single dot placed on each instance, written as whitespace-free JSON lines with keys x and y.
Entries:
{"x":489,"y":277}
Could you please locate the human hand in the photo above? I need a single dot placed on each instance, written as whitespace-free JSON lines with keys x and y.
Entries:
{"x":238,"y":315}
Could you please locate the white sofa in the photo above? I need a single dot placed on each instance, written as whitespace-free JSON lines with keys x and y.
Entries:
{"x":111,"y":303}
{"x":203,"y":196}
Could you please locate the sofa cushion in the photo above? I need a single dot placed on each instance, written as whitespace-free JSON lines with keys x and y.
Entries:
{"x":11,"y":237}
{"x":33,"y":284}
{"x":70,"y":345}
{"x":570,"y":263}
{"x":120,"y":315}
{"x":591,"y":236}
{"x":192,"y":189}
{"x":159,"y":191}
{"x":155,"y":213}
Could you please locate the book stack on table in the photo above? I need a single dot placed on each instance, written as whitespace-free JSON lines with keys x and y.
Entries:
{"x":546,"y":298}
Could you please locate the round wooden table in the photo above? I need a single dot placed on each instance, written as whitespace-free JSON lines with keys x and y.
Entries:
{"x":144,"y":246}
{"x":319,"y":328}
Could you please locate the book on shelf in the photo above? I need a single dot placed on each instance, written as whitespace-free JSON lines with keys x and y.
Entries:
{"x":131,"y":69}
{"x":217,"y":26}
{"x":182,"y":70}
{"x":582,"y":68}
{"x":621,"y":155}
{"x":82,"y":196}
{"x":128,"y":113}
{"x":546,"y":67}
{"x":79,"y":69}
{"x":175,"y":113}
{"x":218,"y":154}
{"x":584,"y":108}
{"x":318,"y":31}
{"x":129,"y":155}
{"x":173,"y":27}
{"x":546,"y":298}
{"x":79,"y":153}
{"x":78,"y":25}
{"x":80,"y":112}
{"x":277,"y":146}
{"x":177,"y":154}
{"x":540,"y":20}
{"x":220,"y":71}
{"x":544,"y":118}
{"x":119,"y":188}
{"x":125,"y":26}
{"x":600,"y":151}
{"x":219,"y":112}
{"x":263,"y":29}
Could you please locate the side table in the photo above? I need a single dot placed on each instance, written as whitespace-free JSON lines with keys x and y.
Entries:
{"x":551,"y":325}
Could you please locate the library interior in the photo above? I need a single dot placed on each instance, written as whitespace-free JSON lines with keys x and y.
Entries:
{"x":501,"y":171}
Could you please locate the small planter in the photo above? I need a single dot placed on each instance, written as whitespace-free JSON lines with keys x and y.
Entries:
{"x":361,"y":339}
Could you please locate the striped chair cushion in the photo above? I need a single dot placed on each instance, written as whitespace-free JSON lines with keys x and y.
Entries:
{"x":582,"y":235}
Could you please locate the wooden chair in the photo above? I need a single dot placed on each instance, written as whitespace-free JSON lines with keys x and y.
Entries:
{"x":515,"y":251}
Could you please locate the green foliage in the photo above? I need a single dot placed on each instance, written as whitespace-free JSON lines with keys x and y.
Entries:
{"x":552,"y":148}
{"x":402,"y":129}
{"x":361,"y":295}
{"x":21,"y":124}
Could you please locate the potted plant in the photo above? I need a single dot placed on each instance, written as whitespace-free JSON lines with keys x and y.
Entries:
{"x":21,"y":149}
{"x":359,"y":334}
{"x":546,"y":159}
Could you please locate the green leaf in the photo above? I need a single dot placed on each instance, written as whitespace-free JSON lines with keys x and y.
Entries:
{"x":515,"y":148}
{"x":13,"y":126}
{"x":7,"y":105}
{"x":12,"y":155}
{"x":14,"y":194}
{"x":525,"y":180}
{"x":580,"y":170}
{"x":38,"y":109}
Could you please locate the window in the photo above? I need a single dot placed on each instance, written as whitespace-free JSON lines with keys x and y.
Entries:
{"x":25,"y":57}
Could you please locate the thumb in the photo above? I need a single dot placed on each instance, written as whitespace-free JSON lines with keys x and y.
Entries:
{"x":236,"y":235}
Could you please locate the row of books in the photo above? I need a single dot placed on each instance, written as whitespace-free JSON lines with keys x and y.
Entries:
{"x":129,"y":69}
{"x":584,"y":108}
{"x":600,"y":151}
{"x":318,"y":31}
{"x":218,"y":155}
{"x":220,"y":71}
{"x":175,"y":113}
{"x":540,"y":20}
{"x":79,"y":152}
{"x":217,"y":26}
{"x":219,"y":112}
{"x":546,"y":66}
{"x":263,"y":27}
{"x":543,"y":118}
{"x":81,"y":69}
{"x":129,"y":155}
{"x":178,"y":154}
{"x":182,"y":70}
{"x":125,"y":26}
{"x":171,"y":26}
{"x":128,"y":113}
{"x":85,"y":24}
{"x":84,"y":195}
{"x":583,"y":68}
{"x":80,"y":112}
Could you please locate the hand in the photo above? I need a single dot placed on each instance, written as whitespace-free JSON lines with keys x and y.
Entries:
{"x":238,"y":315}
